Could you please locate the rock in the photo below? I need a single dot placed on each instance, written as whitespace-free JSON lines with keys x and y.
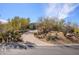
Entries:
{"x":60,"y":33}
{"x":30,"y":45}
{"x":61,"y":36}
{"x":72,"y":37}
{"x":69,"y":35}
{"x":52,"y":35}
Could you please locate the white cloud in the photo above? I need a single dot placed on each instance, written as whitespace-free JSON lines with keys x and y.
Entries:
{"x":60,"y":10}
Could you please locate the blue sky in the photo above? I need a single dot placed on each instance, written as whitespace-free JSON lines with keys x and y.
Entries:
{"x":70,"y":12}
{"x":23,"y":10}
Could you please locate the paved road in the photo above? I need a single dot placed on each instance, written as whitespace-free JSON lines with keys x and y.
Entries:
{"x":55,"y":50}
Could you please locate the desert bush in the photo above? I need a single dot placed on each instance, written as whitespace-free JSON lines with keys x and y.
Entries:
{"x":10,"y":36}
{"x":51,"y":38}
{"x":46,"y":25}
{"x":51,"y":24}
{"x":11,"y":31}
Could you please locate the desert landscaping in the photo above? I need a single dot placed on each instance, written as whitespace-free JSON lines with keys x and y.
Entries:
{"x":18,"y":33}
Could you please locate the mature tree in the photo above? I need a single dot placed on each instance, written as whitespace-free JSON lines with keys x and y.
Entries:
{"x":17,"y":23}
{"x":32,"y":26}
{"x":24,"y":23}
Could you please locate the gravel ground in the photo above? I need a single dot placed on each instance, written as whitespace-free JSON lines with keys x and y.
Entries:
{"x":30,"y":38}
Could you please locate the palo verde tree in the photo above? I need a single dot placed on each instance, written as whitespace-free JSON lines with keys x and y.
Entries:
{"x":24,"y":23}
{"x":17,"y":23}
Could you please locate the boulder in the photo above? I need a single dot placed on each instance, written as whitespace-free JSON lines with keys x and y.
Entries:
{"x":72,"y":37}
{"x":61,"y":36}
{"x":52,"y":35}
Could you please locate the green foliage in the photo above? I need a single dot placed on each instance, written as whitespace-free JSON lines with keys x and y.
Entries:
{"x":24,"y":23}
{"x":10,"y":36}
{"x":76,"y":30}
{"x":51,"y":24}
{"x":18,"y":23}
{"x":32,"y":26}
{"x":9,"y":30}
{"x":46,"y":25}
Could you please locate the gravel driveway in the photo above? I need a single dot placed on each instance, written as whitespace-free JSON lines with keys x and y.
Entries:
{"x":30,"y":38}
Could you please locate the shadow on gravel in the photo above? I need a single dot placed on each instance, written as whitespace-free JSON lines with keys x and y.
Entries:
{"x":72,"y":46}
{"x":17,"y":45}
